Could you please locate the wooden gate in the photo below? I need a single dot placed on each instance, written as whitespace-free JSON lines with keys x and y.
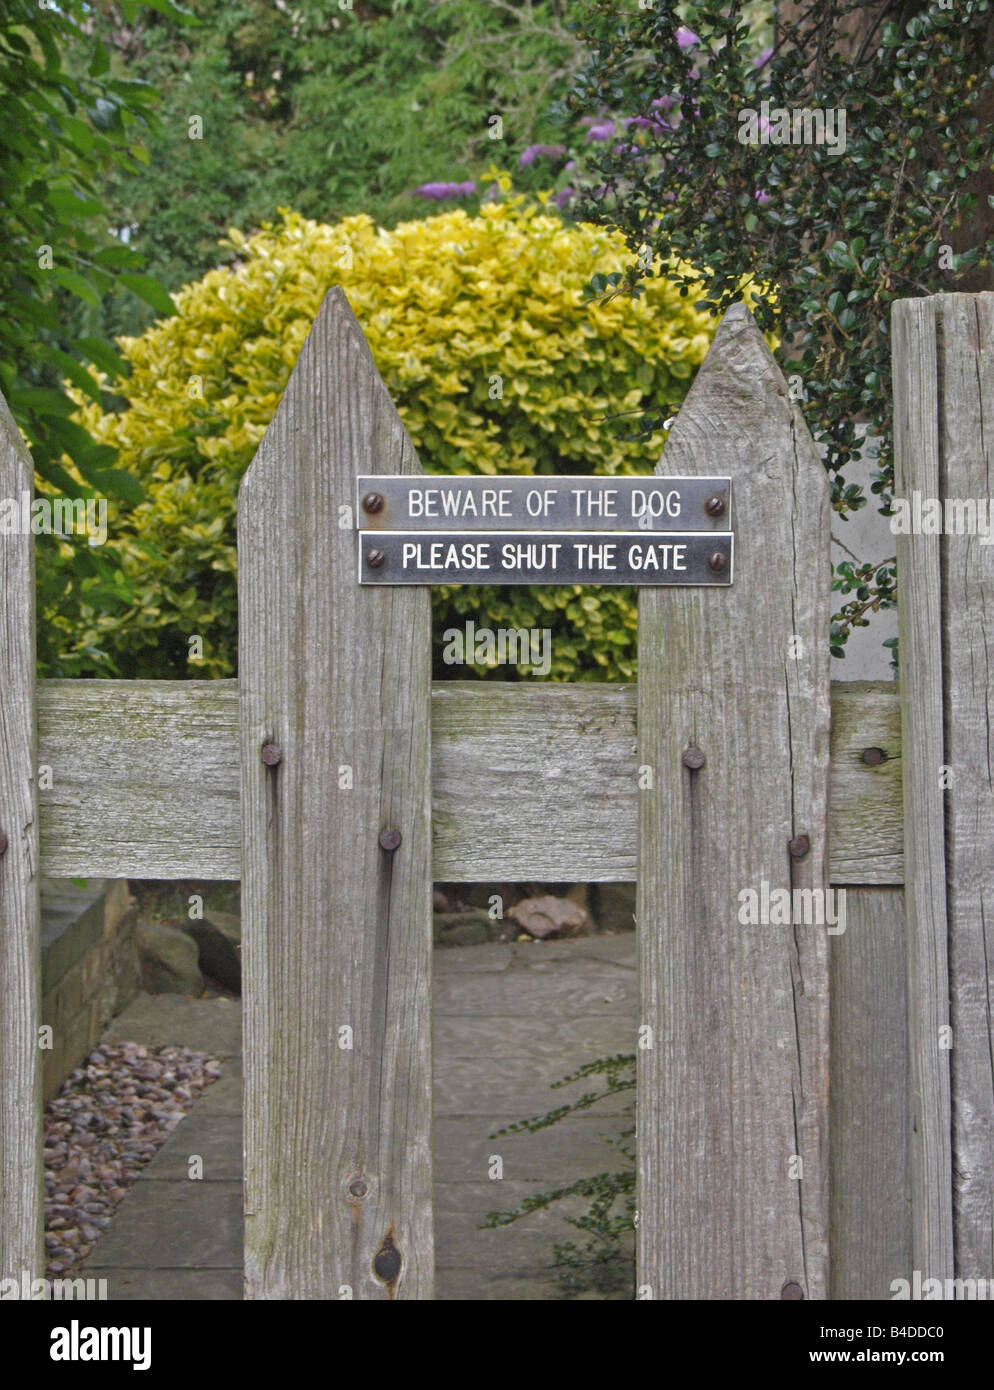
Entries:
{"x":815,"y":1106}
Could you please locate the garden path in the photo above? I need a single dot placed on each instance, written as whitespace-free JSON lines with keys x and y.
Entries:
{"x":509,"y":1019}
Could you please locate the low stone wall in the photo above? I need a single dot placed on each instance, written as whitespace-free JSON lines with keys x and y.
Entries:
{"x":89,"y":969}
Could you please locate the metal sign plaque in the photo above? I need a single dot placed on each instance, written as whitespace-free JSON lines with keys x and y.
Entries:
{"x":526,"y":557}
{"x":426,"y":502}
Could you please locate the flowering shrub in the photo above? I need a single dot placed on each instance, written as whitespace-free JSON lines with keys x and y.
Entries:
{"x":496,"y":362}
{"x":844,"y":167}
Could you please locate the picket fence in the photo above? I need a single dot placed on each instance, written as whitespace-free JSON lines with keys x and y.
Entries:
{"x":815,"y":1114}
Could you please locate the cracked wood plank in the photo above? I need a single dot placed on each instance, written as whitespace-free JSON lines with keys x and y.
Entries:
{"x":945,"y":349}
{"x":735,"y":1087}
{"x":916,"y":468}
{"x":336,"y":928}
{"x":21,"y":1213}
{"x":967,"y":415}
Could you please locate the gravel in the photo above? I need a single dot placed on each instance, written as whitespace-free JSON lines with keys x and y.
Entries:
{"x":110,"y":1119}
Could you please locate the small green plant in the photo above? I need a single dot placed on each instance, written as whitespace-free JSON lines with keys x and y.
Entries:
{"x":602,"y":1261}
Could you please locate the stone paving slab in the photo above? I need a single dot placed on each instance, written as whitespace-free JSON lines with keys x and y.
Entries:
{"x":177,"y":1285}
{"x":216,"y":1138}
{"x":583,"y":990}
{"x":571,"y":1149}
{"x":203,"y":1025}
{"x":509,"y":1019}
{"x":174,"y":1225}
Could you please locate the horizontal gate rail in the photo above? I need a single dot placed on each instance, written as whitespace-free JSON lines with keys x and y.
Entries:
{"x":145,"y":778}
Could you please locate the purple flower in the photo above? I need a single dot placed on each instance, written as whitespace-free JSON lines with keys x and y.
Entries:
{"x":564,"y":196}
{"x":534,"y":152}
{"x":571,"y":164}
{"x":686,"y":38}
{"x":762,"y":197}
{"x":441,"y":191}
{"x":763,"y":58}
{"x":604,"y":131}
{"x":645,"y":123}
{"x":664,"y":102}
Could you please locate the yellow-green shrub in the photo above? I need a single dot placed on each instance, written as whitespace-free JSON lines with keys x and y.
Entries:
{"x":448,"y":304}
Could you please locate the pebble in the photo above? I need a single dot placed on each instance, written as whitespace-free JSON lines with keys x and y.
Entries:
{"x":112,"y":1116}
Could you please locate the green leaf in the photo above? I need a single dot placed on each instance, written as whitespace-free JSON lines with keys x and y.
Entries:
{"x":100,"y":61}
{"x":71,"y":206}
{"x":41,"y":400}
{"x":102,"y":355}
{"x":121,"y":484}
{"x":149,"y":289}
{"x":74,"y":370}
{"x":76,"y":284}
{"x":174,"y":11}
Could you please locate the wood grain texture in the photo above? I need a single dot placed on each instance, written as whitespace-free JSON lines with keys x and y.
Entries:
{"x":146,"y":781}
{"x":336,"y":930}
{"x":736,"y":1084}
{"x":529,"y":781}
{"x":870,"y":1138}
{"x":866,"y":816}
{"x":21,"y":1249}
{"x":916,"y":468}
{"x":966,"y":373}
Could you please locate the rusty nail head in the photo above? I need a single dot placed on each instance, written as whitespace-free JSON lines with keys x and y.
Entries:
{"x":799,"y":846}
{"x":390,"y":839}
{"x":271,"y":755}
{"x":792,"y":1291}
{"x":715,"y":506}
{"x":358,"y":1188}
{"x":372,"y":503}
{"x":693,"y":758}
{"x":4,"y":842}
{"x":874,"y":756}
{"x":717,"y":561}
{"x":375,"y":558}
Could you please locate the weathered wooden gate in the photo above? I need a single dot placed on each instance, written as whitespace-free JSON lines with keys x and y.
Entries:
{"x":801,"y":1132}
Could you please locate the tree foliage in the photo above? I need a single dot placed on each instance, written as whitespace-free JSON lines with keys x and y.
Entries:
{"x":834,"y":237}
{"x":68,"y":119}
{"x":494,"y":358}
{"x":331,"y":110}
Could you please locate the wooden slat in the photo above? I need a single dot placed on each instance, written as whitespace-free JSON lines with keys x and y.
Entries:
{"x":529,"y":781}
{"x":916,"y":466}
{"x":871,"y":1215}
{"x":21,"y":1250}
{"x":336,"y":928}
{"x":966,"y":373}
{"x":865,"y":840}
{"x":734,"y":1090}
{"x":146,"y":781}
